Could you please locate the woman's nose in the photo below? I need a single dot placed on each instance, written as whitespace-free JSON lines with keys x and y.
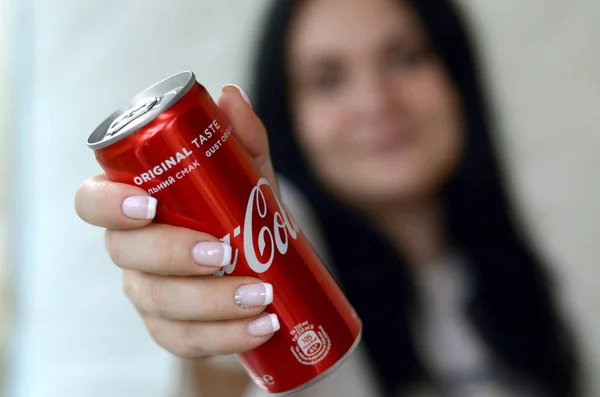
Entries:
{"x":374,"y":96}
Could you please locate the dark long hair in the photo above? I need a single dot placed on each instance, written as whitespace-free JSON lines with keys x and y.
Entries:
{"x":512,"y":305}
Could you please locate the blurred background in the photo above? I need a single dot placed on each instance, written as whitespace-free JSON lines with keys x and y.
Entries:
{"x":65,"y":65}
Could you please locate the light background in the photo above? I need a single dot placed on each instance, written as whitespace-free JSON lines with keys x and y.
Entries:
{"x":5,"y":108}
{"x":73,"y":62}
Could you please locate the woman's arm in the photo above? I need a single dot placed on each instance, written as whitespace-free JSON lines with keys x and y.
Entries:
{"x":215,"y":377}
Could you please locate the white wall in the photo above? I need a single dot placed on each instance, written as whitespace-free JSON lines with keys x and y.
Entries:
{"x":5,"y":94}
{"x":77,"y":61}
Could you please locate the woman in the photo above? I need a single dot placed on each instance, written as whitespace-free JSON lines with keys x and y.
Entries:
{"x":375,"y":113}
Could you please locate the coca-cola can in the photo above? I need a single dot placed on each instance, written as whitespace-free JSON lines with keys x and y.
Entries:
{"x":173,"y":141}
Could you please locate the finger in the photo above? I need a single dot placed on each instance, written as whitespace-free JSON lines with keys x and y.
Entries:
{"x":197,"y":298}
{"x":101,"y":202}
{"x":199,"y":339}
{"x":236,"y":107}
{"x":167,"y":250}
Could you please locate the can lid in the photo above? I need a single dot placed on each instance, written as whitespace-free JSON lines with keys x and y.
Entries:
{"x":141,"y":110}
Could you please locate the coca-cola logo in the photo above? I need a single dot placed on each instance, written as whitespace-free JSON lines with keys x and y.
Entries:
{"x":275,"y":229}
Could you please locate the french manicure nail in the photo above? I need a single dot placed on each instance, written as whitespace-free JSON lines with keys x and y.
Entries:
{"x":263,"y":326}
{"x":139,"y":207}
{"x":254,"y":295}
{"x":242,"y":93}
{"x":211,"y":253}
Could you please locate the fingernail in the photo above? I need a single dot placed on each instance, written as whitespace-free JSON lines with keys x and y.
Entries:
{"x":263,"y":326}
{"x":254,"y":295}
{"x":140,"y":207}
{"x":242,"y":93}
{"x":210,"y":253}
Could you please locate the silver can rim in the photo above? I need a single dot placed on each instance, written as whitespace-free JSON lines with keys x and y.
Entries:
{"x":178,"y":84}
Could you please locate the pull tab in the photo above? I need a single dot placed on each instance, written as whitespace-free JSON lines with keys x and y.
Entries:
{"x":130,"y":115}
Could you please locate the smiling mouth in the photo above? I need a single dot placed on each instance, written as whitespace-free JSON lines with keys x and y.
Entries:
{"x":383,"y":142}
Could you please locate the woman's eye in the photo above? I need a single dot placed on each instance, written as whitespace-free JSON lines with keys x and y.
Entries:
{"x":407,"y":59}
{"x":326,"y":82}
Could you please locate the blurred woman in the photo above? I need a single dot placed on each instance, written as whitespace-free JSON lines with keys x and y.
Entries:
{"x":380,"y":103}
{"x":375,"y":113}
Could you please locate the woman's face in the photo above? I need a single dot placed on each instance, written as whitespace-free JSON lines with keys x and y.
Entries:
{"x":374,"y":110}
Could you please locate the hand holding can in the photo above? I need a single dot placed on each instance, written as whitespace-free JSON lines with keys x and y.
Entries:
{"x":191,"y":316}
{"x":172,"y":156}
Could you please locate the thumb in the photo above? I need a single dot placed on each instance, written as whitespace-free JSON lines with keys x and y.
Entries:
{"x":235,"y":105}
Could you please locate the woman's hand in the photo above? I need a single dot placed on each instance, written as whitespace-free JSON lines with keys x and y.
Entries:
{"x":166,"y":269}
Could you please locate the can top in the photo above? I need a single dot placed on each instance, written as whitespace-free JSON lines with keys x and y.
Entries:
{"x":141,"y":110}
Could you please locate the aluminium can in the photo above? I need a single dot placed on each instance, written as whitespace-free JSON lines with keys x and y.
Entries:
{"x":173,"y":141}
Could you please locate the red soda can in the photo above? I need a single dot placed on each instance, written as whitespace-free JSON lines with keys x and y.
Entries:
{"x":173,"y":141}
